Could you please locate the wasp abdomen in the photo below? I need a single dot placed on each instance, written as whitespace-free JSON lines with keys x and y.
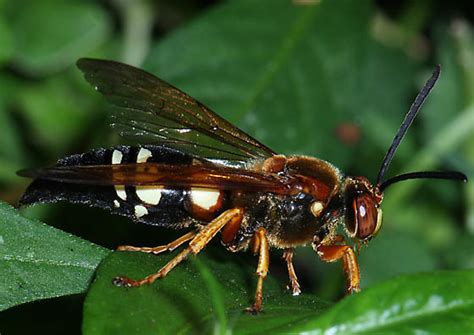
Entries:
{"x":157,"y":205}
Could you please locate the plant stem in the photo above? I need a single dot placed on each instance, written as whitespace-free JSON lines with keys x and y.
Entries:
{"x":137,"y":17}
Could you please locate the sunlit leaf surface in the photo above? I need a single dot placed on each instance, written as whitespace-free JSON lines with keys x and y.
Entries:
{"x":39,"y":262}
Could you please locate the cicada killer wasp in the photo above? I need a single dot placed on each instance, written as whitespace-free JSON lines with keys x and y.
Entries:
{"x":199,"y":172}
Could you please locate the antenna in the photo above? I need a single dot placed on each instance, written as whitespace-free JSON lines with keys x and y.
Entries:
{"x":409,"y":117}
{"x":453,"y":175}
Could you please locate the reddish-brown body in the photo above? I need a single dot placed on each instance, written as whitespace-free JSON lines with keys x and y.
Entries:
{"x":287,"y":218}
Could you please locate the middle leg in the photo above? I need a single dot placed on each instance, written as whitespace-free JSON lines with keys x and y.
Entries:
{"x":260,"y":244}
{"x":288,"y":257}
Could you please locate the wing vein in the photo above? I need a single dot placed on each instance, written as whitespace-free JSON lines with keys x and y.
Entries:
{"x":145,"y":99}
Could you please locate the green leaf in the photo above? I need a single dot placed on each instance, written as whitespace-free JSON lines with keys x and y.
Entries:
{"x":383,"y":259}
{"x":431,"y":303}
{"x":6,"y":50}
{"x":448,"y":118}
{"x":11,"y":149}
{"x":289,"y":75}
{"x":185,"y":301}
{"x":39,"y":262}
{"x":284,"y":74}
{"x":455,"y":52}
{"x":51,"y":35}
{"x":55,"y":111}
{"x":435,"y":302}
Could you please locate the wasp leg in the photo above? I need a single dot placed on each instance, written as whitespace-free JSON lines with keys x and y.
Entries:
{"x":199,"y":241}
{"x":288,"y":257}
{"x":260,"y":244}
{"x":161,"y":248}
{"x":332,"y":253}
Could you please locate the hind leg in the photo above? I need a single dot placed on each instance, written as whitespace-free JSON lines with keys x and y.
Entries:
{"x":161,"y":248}
{"x":200,"y":240}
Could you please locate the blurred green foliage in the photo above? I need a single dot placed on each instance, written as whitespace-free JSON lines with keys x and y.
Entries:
{"x":331,"y":79}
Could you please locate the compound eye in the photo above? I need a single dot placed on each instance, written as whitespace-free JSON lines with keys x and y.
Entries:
{"x":366,"y":216}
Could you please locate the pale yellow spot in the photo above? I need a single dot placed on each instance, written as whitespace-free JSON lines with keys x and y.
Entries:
{"x":143,"y":155}
{"x":149,"y":194}
{"x":316,"y":208}
{"x":204,"y":198}
{"x":116,"y":203}
{"x":379,"y":222}
{"x":140,"y":211}
{"x":120,"y":190}
{"x":117,"y":156}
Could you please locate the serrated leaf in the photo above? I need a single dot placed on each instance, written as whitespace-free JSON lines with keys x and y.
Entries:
{"x":182,"y":302}
{"x":51,"y":35}
{"x":39,"y":262}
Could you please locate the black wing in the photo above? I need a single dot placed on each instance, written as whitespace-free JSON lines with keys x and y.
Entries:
{"x":153,"y":111}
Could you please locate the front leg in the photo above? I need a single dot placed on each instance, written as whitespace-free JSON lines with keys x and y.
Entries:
{"x":332,"y":253}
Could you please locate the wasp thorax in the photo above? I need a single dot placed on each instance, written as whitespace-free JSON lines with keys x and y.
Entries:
{"x":363,"y":217}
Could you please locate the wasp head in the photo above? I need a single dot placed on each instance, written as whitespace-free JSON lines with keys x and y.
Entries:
{"x":363,"y":215}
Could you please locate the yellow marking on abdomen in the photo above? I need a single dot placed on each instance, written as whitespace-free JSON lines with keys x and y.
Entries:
{"x":204,"y":198}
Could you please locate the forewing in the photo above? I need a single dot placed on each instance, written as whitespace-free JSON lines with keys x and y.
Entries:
{"x":153,"y":111}
{"x":168,"y":176}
